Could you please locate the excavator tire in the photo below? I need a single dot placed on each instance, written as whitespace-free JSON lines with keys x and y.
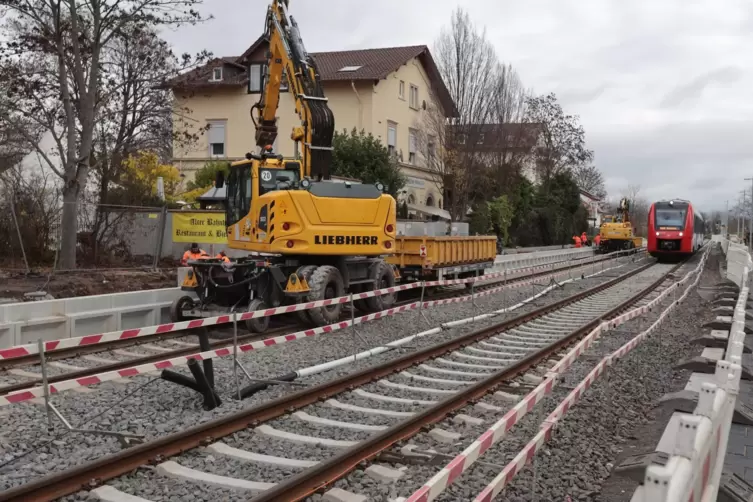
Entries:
{"x":177,"y":307}
{"x":305,"y":273}
{"x":326,"y":282}
{"x":260,"y":324}
{"x":383,"y":277}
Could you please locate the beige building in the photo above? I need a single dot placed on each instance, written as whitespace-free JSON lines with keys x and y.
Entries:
{"x":383,"y":91}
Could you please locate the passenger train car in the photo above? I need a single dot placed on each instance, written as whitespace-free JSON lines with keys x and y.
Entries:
{"x":675,"y":229}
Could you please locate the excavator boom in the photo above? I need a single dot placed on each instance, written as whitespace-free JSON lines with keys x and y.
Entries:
{"x":288,"y":58}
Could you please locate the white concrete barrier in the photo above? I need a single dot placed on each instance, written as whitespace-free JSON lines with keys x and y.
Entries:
{"x":697,"y":442}
{"x":26,"y":322}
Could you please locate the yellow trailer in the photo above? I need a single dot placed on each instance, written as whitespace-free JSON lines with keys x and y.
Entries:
{"x":438,"y":258}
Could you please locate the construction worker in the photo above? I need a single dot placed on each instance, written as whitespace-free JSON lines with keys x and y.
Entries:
{"x":577,"y":241}
{"x":597,"y":240}
{"x":193,"y":253}
{"x":223,"y":256}
{"x":584,"y":238}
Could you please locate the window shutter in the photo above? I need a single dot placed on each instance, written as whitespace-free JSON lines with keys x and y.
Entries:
{"x":391,"y":136}
{"x":216,"y":133}
{"x":254,"y":77}
{"x":412,"y":144}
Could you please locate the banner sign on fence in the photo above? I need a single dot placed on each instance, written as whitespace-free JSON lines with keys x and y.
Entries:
{"x":189,"y":226}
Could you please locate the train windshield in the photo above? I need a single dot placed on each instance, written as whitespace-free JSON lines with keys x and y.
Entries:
{"x":670,"y":218}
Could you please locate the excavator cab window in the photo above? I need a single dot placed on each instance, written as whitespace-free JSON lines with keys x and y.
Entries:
{"x":238,"y":194}
{"x":271,"y":180}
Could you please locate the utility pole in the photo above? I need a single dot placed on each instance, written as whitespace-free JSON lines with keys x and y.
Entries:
{"x":750,"y":215}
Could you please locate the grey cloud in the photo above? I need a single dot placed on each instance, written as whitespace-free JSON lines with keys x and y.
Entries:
{"x":570,"y":97}
{"x":695,"y":87}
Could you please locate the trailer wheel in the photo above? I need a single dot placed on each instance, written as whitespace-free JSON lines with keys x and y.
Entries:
{"x":326,"y":282}
{"x":305,"y":273}
{"x":259,"y":324}
{"x":383,"y":278}
{"x":177,"y":307}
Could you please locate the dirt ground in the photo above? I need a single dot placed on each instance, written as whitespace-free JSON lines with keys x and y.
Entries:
{"x":14,"y":285}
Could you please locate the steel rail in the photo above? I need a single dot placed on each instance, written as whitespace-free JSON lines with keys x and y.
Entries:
{"x":323,"y":474}
{"x":94,"y":473}
{"x":71,"y":352}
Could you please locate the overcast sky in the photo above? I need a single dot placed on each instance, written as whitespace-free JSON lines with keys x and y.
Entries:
{"x":664,"y":88}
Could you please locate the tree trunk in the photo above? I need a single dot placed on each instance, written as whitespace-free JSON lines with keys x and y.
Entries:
{"x":69,"y":227}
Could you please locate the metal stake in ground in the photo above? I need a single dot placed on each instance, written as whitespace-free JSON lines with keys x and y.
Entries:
{"x":45,"y":384}
{"x":235,"y":355}
{"x":421,"y":303}
{"x":473,"y":297}
{"x":534,"y":481}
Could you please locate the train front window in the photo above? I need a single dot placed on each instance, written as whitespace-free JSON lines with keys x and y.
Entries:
{"x":670,"y":218}
{"x":271,"y":180}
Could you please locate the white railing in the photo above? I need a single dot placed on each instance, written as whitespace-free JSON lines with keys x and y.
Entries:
{"x":696,"y":461}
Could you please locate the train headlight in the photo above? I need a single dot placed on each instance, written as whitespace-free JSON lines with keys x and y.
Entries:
{"x":657,"y":234}
{"x":680,"y":234}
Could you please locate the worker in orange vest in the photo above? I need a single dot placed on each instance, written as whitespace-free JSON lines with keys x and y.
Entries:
{"x":193,"y":253}
{"x":584,"y":238}
{"x":597,"y":240}
{"x":577,"y":241}
{"x":223,"y":256}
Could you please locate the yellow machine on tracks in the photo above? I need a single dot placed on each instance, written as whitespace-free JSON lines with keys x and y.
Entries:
{"x":309,"y":238}
{"x":617,"y":232}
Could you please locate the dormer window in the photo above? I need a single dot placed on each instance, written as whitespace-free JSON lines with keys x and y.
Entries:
{"x":217,"y":74}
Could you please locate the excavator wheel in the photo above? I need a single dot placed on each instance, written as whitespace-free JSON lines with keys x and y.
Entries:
{"x":260,"y":324}
{"x":326,"y":282}
{"x":305,"y":273}
{"x":383,"y":277}
{"x":177,"y":307}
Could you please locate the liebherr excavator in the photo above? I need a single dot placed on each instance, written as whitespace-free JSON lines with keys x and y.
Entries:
{"x":310,"y":238}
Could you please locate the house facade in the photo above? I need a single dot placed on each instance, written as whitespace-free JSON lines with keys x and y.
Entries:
{"x":382,"y":91}
{"x":592,"y":203}
{"x":500,"y":144}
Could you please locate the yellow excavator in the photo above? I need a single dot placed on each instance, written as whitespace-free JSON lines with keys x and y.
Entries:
{"x":617,"y":232}
{"x":309,"y":238}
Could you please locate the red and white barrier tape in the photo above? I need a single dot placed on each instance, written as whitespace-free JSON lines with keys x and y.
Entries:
{"x":82,"y":341}
{"x":28,"y":394}
{"x":448,"y":474}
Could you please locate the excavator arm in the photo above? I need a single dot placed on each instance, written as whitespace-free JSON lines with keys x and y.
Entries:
{"x":288,"y":56}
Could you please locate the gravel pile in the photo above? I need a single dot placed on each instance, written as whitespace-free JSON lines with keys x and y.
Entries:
{"x":150,"y":406}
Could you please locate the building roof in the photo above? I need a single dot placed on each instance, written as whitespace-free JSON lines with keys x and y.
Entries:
{"x":368,"y":64}
{"x":589,"y":195}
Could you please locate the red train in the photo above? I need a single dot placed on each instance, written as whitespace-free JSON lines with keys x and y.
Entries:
{"x":675,"y":229}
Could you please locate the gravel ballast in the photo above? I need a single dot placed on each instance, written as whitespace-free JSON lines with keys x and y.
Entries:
{"x":155,"y":407}
{"x":591,"y":437}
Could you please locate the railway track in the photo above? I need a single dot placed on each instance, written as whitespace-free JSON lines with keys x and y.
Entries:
{"x":78,"y":362}
{"x":365,"y":413}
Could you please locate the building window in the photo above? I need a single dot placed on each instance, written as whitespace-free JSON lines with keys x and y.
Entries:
{"x":392,"y":138}
{"x":411,"y":199}
{"x":216,"y":74}
{"x":351,"y":68}
{"x":255,"y":75}
{"x":401,"y":93}
{"x":413,"y":103}
{"x":461,"y":139}
{"x":431,"y":150}
{"x":430,"y":200}
{"x":412,"y":142}
{"x":216,"y":134}
{"x":480,"y":139}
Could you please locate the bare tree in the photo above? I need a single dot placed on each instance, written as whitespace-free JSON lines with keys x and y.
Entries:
{"x":52,"y":64}
{"x":589,"y":178}
{"x":470,"y":68}
{"x":639,"y":207}
{"x":563,"y":139}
